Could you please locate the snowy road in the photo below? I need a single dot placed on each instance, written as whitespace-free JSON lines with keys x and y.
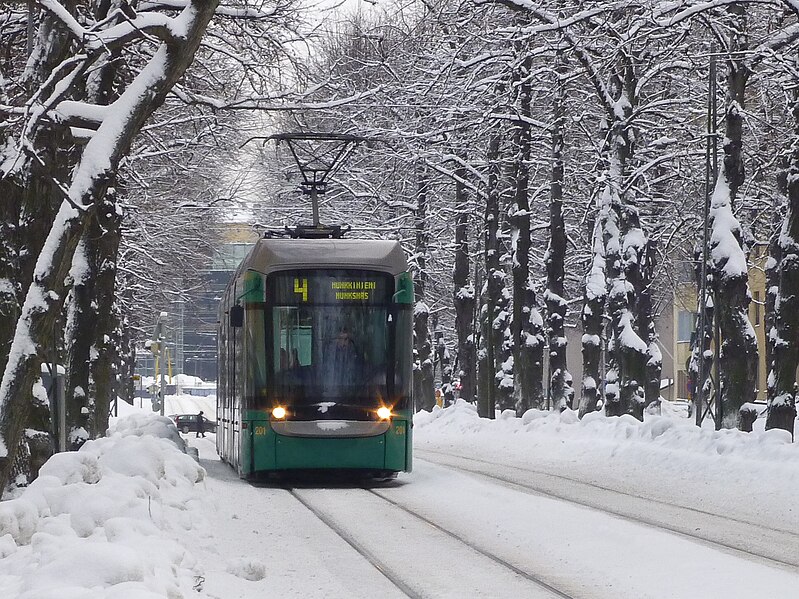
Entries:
{"x":265,"y":543}
{"x":474,"y":536}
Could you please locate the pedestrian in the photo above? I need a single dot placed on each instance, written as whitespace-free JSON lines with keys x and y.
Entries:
{"x":200,"y":424}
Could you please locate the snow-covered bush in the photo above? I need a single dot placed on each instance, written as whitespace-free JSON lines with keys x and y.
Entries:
{"x":104,"y":521}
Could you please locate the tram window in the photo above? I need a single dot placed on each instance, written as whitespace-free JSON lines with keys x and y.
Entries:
{"x":332,"y":345}
{"x":293,"y":336}
{"x":359,"y":334}
{"x":330,"y":352}
{"x":256,"y":354}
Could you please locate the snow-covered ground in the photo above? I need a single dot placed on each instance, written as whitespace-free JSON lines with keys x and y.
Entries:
{"x":133,"y":516}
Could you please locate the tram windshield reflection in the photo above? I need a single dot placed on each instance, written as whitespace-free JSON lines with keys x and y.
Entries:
{"x":331,"y":357}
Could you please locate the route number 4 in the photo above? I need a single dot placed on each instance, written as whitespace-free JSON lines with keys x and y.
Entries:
{"x":301,"y":287}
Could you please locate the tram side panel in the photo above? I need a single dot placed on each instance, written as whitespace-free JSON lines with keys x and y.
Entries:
{"x":229,"y":383}
{"x":222,"y":396}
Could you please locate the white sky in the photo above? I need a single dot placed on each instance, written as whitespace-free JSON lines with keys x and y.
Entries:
{"x":342,"y":7}
{"x":132,"y":517}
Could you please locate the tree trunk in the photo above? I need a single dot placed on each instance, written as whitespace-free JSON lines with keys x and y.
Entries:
{"x":561,"y":391}
{"x":463,"y":294}
{"x":29,"y":203}
{"x":10,"y":278}
{"x":103,"y":241}
{"x":526,"y":323}
{"x":445,"y":362}
{"x":79,"y":335}
{"x":645,"y":358}
{"x":700,"y":382}
{"x":738,"y":352}
{"x":784,"y":336}
{"x":424,"y":385}
{"x":594,"y":296}
{"x":127,"y":360}
{"x":26,"y":208}
{"x":39,"y":313}
{"x":495,"y":277}
{"x":624,"y":244}
{"x":645,"y":325}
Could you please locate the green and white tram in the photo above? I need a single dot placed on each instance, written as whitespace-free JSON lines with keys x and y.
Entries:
{"x":315,"y":353}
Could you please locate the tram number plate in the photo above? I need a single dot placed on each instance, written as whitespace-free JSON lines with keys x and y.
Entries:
{"x":260,"y":430}
{"x":399,"y":429}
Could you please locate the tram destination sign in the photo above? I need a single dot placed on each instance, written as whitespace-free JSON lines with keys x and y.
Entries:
{"x":329,"y":287}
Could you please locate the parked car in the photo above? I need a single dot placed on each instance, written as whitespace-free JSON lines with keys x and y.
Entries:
{"x":187,"y":423}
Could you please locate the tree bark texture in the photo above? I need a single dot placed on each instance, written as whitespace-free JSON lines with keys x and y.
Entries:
{"x":645,"y":325}
{"x":127,"y":363}
{"x":594,"y":297}
{"x":639,"y":269}
{"x":424,"y":384}
{"x":445,"y":362}
{"x":526,"y":323}
{"x":30,"y":201}
{"x":785,"y":334}
{"x":464,"y":294}
{"x":103,"y":239}
{"x":700,"y":373}
{"x":79,"y":334}
{"x":738,"y":351}
{"x":491,"y":337}
{"x":624,"y":241}
{"x":561,"y":391}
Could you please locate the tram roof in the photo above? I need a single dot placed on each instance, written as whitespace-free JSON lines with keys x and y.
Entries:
{"x":279,"y":254}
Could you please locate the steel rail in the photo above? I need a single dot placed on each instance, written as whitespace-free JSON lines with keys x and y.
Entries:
{"x":376,"y":563}
{"x":495,"y":558}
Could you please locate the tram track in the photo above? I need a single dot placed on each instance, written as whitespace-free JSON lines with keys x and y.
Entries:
{"x":387,"y":572}
{"x":543,"y":590}
{"x":487,"y":554}
{"x":767,"y":544}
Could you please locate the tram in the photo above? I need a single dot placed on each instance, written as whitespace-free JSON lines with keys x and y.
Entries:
{"x":315,"y":359}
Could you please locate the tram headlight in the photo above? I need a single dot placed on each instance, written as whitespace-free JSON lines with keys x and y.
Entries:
{"x":384,"y":413}
{"x":279,"y":412}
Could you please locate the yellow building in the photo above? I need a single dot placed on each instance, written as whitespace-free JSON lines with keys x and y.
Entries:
{"x":684,"y":311}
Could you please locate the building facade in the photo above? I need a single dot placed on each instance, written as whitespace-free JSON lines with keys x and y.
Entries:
{"x":685,"y":316}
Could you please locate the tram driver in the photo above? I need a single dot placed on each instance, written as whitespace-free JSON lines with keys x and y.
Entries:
{"x":342,"y":363}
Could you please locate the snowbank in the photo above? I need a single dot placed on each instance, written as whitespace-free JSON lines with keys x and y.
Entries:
{"x":105,"y":521}
{"x":665,"y":457}
{"x":670,"y":433}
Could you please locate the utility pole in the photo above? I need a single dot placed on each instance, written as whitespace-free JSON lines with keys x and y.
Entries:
{"x":156,"y":345}
{"x":179,"y":345}
{"x":711,"y":175}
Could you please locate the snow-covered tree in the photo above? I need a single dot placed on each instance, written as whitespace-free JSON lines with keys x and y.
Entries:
{"x":463,"y":288}
{"x":93,"y":77}
{"x":561,"y":390}
{"x":526,"y":321}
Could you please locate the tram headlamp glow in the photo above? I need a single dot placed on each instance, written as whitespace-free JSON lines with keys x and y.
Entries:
{"x":384,"y":413}
{"x":279,"y":413}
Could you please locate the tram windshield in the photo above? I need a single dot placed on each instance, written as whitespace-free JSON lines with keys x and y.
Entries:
{"x":333,"y":343}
